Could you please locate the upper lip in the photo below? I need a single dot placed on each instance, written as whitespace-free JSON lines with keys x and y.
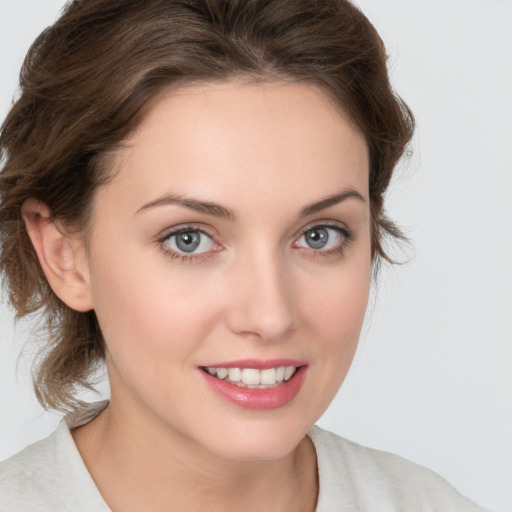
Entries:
{"x":257,"y":364}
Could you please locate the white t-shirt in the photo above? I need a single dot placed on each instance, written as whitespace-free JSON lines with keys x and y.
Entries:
{"x":50,"y":476}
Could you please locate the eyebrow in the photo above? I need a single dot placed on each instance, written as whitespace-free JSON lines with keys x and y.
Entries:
{"x":193,"y":204}
{"x":216,"y":210}
{"x":331,"y":201}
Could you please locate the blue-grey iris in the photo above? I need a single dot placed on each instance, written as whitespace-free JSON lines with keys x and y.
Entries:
{"x":317,"y":238}
{"x":188,"y":241}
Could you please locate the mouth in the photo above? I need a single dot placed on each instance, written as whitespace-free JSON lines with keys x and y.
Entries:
{"x":253,"y":384}
{"x":253,"y":378}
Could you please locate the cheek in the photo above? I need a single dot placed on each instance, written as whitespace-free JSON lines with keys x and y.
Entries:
{"x":337,"y":304}
{"x":149,"y":313}
{"x":152,"y":333}
{"x":333,"y":311}
{"x":336,"y":309}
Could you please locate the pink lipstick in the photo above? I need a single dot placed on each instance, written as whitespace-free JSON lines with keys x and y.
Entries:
{"x":256,"y":384}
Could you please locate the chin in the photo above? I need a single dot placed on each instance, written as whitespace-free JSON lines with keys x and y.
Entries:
{"x":257,"y":440}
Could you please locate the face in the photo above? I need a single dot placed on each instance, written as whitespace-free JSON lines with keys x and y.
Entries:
{"x":233,"y":243}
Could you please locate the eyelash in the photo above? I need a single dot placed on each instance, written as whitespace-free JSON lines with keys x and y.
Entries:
{"x":347,"y":239}
{"x":346,"y":235}
{"x":181,"y":257}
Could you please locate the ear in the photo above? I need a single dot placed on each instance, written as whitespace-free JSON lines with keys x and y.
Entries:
{"x":61,"y":257}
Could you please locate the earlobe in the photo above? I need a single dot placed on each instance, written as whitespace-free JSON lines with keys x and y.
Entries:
{"x":60,"y":256}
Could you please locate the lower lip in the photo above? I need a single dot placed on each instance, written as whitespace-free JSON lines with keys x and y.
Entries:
{"x":249,"y":398}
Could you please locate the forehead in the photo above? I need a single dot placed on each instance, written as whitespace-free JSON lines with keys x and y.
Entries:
{"x":235,"y":140}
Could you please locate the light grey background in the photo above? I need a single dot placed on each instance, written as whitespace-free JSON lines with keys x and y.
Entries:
{"x":432,"y":379}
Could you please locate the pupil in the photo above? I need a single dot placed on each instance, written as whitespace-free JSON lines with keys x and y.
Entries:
{"x":188,"y":241}
{"x":317,"y":238}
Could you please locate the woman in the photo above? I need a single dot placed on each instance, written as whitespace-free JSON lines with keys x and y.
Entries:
{"x":193,"y":193}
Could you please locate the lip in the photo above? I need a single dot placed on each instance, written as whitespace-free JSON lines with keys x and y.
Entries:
{"x":260,"y":399}
{"x":257,"y":364}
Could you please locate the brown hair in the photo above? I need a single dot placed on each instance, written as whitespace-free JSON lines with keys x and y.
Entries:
{"x":87,"y":82}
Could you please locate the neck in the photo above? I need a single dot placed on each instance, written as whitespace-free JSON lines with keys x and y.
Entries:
{"x":142,"y":465}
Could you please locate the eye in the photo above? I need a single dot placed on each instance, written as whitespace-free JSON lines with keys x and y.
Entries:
{"x":189,"y":241}
{"x":323,"y":238}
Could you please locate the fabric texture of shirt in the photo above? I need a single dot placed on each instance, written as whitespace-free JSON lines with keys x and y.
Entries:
{"x":50,"y":476}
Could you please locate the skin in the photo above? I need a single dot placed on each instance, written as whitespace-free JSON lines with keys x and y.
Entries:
{"x":257,"y":290}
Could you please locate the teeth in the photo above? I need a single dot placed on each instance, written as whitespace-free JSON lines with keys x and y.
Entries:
{"x":222,"y":373}
{"x":290,"y":370}
{"x":235,"y":374}
{"x":268,"y":376}
{"x":252,"y":378}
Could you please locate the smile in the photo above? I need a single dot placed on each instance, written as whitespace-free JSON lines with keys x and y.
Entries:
{"x":256,"y":385}
{"x":253,"y":378}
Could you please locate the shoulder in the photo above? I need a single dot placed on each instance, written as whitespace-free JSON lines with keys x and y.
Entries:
{"x":361,"y":477}
{"x":29,"y":479}
{"x":50,"y":475}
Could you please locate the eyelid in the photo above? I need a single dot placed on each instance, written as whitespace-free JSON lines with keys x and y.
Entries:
{"x":183,"y":256}
{"x":324,"y":224}
{"x":344,"y":232}
{"x":180,"y":228}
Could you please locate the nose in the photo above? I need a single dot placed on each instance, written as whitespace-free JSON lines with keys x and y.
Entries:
{"x":262,"y":303}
